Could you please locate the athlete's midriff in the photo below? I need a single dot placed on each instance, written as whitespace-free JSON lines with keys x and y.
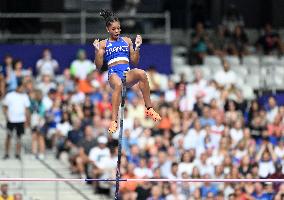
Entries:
{"x":118,"y":62}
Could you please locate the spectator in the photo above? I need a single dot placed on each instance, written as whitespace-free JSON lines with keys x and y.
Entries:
{"x":278,"y":174}
{"x":199,"y":44}
{"x":270,"y":42}
{"x":7,"y":66}
{"x":218,"y":41}
{"x":266,"y":158}
{"x":46,"y":84}
{"x":142,"y":171}
{"x":73,"y":140}
{"x":85,"y":146}
{"x":156,"y":193}
{"x":280,"y":194}
{"x":237,"y":45}
{"x":14,"y":75}
{"x":18,"y":196}
{"x":47,"y":65}
{"x":128,"y":189}
{"x":143,"y":190}
{"x":272,"y":109}
{"x":174,"y":193}
{"x":4,"y":193}
{"x":37,"y":111}
{"x":206,"y":119}
{"x":16,"y":110}
{"x":226,"y":77}
{"x":259,"y":192}
{"x":81,"y":67}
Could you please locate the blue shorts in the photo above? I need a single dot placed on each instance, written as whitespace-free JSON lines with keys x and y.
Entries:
{"x":118,"y":70}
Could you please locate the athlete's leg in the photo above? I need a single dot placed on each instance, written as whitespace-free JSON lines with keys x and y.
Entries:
{"x":139,"y":76}
{"x":116,"y":85}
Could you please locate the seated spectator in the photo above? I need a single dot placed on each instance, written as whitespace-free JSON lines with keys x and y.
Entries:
{"x":72,"y":142}
{"x":199,"y":43}
{"x":269,"y":42}
{"x":81,"y":67}
{"x":206,"y":119}
{"x":175,"y":193}
{"x":259,"y":192}
{"x":208,"y":188}
{"x":238,"y":42}
{"x":142,"y":171}
{"x":128,"y":189}
{"x":279,"y":149}
{"x":156,"y":193}
{"x":254,"y":110}
{"x":85,"y":146}
{"x":266,"y":158}
{"x":143,"y":190}
{"x":236,"y":132}
{"x":218,"y":41}
{"x":195,"y":138}
{"x":271,"y":109}
{"x":186,"y":164}
{"x":225,"y":77}
{"x":278,"y":174}
{"x":46,"y":65}
{"x":99,"y":156}
{"x":18,"y":196}
{"x":66,"y":80}
{"x":4,"y":192}
{"x":280,"y":194}
{"x":62,"y":129}
{"x":46,"y":84}
{"x":232,"y":113}
{"x":276,"y":128}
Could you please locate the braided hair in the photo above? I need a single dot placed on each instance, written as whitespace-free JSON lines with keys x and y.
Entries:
{"x":109,"y":16}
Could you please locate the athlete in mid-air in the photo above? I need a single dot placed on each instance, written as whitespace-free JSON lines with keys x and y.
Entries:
{"x":118,"y":52}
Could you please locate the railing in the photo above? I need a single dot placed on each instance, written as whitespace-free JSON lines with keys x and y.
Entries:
{"x":82,"y":36}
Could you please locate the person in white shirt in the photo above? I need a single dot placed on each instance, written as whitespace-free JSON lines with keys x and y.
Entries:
{"x":82,"y":66}
{"x":98,"y":154}
{"x":142,"y":171}
{"x":16,"y":108}
{"x":266,"y":158}
{"x":175,"y":193}
{"x":47,"y":65}
{"x":225,"y":77}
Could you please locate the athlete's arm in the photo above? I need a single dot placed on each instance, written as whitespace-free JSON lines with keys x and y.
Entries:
{"x":134,"y":53}
{"x":100,"y":51}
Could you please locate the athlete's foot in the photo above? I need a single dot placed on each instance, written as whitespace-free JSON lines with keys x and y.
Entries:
{"x":152,"y":114}
{"x":113,"y":127}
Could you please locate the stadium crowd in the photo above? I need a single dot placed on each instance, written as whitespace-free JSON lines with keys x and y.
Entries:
{"x":208,"y":130}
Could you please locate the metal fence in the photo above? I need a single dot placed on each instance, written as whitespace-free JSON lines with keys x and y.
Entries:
{"x":84,"y":19}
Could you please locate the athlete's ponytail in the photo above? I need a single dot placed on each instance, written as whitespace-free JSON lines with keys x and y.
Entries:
{"x":108,"y":16}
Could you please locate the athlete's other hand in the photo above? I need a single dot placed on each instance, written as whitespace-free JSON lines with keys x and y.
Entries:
{"x":138,"y":41}
{"x":96,"y":44}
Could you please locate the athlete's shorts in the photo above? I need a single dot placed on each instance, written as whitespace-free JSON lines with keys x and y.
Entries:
{"x":118,"y":70}
{"x":18,"y":127}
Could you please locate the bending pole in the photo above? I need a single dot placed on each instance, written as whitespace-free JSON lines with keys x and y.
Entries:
{"x":123,"y":95}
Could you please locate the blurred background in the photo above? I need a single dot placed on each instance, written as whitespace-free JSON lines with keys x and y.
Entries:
{"x":216,"y":73}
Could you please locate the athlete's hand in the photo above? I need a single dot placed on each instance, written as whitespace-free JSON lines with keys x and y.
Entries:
{"x":96,"y":44}
{"x":138,"y":41}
